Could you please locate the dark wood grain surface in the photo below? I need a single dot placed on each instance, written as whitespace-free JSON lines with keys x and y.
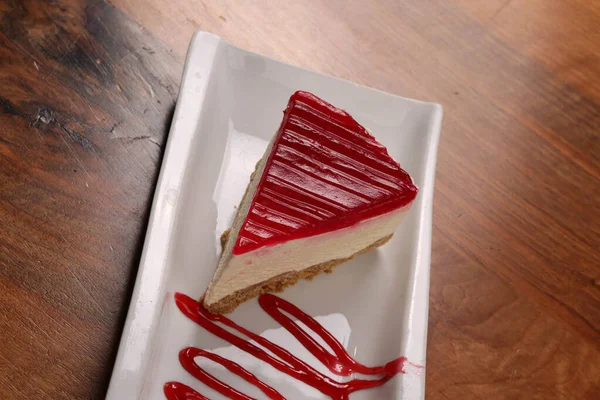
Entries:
{"x":87,"y":90}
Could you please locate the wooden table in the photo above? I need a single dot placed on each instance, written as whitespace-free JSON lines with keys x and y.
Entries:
{"x":87,"y":90}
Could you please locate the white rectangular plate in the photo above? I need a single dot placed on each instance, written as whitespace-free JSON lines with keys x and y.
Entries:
{"x":230,"y":104}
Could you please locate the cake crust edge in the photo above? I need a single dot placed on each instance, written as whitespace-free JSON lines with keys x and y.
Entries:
{"x":280,"y":282}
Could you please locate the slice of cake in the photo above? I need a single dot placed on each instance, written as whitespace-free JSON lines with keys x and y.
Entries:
{"x":324,"y":191}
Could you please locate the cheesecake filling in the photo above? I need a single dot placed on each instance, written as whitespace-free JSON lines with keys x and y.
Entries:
{"x":257,"y":266}
{"x":324,"y":191}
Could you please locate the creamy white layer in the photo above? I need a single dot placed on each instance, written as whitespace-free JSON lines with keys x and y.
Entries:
{"x":238,"y":272}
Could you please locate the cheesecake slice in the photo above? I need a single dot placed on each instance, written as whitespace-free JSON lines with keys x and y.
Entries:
{"x":324,"y":191}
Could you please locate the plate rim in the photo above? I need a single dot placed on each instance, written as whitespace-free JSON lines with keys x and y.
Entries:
{"x":202,"y":41}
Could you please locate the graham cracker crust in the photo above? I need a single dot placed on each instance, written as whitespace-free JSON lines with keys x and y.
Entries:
{"x":280,"y":282}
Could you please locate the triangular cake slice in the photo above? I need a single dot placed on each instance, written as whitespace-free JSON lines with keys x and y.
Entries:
{"x":324,"y":191}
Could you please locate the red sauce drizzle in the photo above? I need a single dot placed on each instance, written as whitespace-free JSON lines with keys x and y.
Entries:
{"x":325,"y":172}
{"x":340,"y":362}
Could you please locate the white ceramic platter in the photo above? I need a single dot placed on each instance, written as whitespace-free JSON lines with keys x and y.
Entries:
{"x":230,"y":104}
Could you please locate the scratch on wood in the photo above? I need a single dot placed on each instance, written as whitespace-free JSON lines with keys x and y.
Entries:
{"x":89,"y":294}
{"x":114,"y":127}
{"x":76,"y":137}
{"x":139,"y":119}
{"x":92,"y":110}
{"x":155,"y":108}
{"x":44,"y":331}
{"x":28,"y":149}
{"x":68,"y":48}
{"x":502,"y":7}
{"x":76,"y":156}
{"x":9,"y":381}
{"x":143,"y":137}
{"x":133,"y":157}
{"x":75,"y":276}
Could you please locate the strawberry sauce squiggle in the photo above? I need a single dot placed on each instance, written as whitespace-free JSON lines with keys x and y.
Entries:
{"x":340,"y":362}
